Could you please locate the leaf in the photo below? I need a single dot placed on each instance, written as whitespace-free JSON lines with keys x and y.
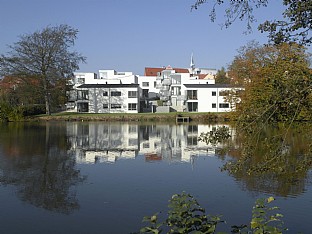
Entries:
{"x":154,"y":218}
{"x":254,"y":224}
{"x":270,"y":199}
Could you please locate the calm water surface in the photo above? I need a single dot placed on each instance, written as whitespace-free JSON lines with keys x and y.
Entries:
{"x":103,"y":178}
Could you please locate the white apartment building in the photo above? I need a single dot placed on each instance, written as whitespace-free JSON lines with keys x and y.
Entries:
{"x":159,"y":90}
{"x":110,"y":92}
{"x":148,"y":93}
{"x":108,"y":98}
{"x":208,"y":97}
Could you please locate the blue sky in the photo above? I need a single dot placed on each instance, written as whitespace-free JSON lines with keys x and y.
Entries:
{"x":129,"y":35}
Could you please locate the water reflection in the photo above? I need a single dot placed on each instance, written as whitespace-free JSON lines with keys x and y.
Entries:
{"x":41,"y":159}
{"x":34,"y":158}
{"x":276,"y":160}
{"x":99,"y":143}
{"x":283,"y":175}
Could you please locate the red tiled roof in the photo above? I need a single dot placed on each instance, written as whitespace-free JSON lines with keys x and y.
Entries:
{"x":8,"y":82}
{"x":201,"y":76}
{"x":152,"y":71}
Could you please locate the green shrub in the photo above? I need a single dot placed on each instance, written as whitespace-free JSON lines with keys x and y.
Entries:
{"x":185,"y":215}
{"x":33,"y":110}
{"x":10,"y":113}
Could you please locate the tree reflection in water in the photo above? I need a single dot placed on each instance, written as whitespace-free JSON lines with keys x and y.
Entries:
{"x":36,"y":161}
{"x":274,"y":159}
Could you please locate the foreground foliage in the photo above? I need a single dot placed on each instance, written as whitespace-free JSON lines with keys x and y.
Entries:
{"x":185,"y":215}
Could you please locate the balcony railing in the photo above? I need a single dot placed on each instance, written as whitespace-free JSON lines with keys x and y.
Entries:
{"x":194,"y":97}
{"x":166,"y":81}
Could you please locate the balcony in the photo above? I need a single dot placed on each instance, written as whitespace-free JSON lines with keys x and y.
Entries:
{"x":164,"y":88}
{"x":158,"y":86}
{"x":166,"y":81}
{"x":165,"y":93}
{"x":192,"y":98}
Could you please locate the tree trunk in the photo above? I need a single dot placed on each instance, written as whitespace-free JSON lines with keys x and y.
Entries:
{"x":47,"y":103}
{"x":46,"y":96}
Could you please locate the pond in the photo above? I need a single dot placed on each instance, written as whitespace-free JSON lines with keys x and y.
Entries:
{"x":98,"y":177}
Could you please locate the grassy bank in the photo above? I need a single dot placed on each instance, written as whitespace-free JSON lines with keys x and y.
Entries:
{"x":140,"y":117}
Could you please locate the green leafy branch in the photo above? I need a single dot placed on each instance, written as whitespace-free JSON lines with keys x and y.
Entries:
{"x":185,"y":215}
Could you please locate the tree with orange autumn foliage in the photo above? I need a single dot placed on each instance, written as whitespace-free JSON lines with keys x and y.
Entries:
{"x":277,"y":82}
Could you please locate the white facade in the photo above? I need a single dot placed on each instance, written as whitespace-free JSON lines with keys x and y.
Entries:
{"x":181,"y":92}
{"x":148,"y":87}
{"x":208,"y":98}
{"x":108,"y":98}
{"x":83,"y":78}
{"x":114,"y":77}
{"x":172,"y":88}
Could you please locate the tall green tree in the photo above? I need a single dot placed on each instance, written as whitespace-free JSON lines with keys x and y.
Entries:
{"x":44,"y":55}
{"x":222,"y":77}
{"x":295,"y":24}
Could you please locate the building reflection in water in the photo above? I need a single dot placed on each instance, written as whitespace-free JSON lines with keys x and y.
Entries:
{"x":108,"y":142}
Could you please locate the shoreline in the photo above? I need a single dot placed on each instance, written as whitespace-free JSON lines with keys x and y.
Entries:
{"x":140,"y":117}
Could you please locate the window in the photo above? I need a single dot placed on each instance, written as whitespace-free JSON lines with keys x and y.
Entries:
{"x":132,"y":106}
{"x":115,"y":106}
{"x":192,"y":129}
{"x":176,"y":80}
{"x":176,"y":91}
{"x":146,"y":145}
{"x":192,"y":106}
{"x":105,"y":106}
{"x":83,"y":95}
{"x":81,"y":80}
{"x":214,"y":93}
{"x":133,"y":142}
{"x":115,"y":129}
{"x":115,"y":93}
{"x":145,"y":84}
{"x":191,"y":94}
{"x":214,"y":105}
{"x":145,"y":93}
{"x":155,"y":84}
{"x":132,"y":94}
{"x":192,"y":140}
{"x":132,"y":129}
{"x":116,"y":143}
{"x":224,"y":105}
{"x":83,"y":107}
{"x":224,"y":93}
{"x":105,"y":93}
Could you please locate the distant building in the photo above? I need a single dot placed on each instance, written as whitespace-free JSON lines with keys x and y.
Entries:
{"x":108,"y":98}
{"x":162,"y":89}
{"x":208,"y":97}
